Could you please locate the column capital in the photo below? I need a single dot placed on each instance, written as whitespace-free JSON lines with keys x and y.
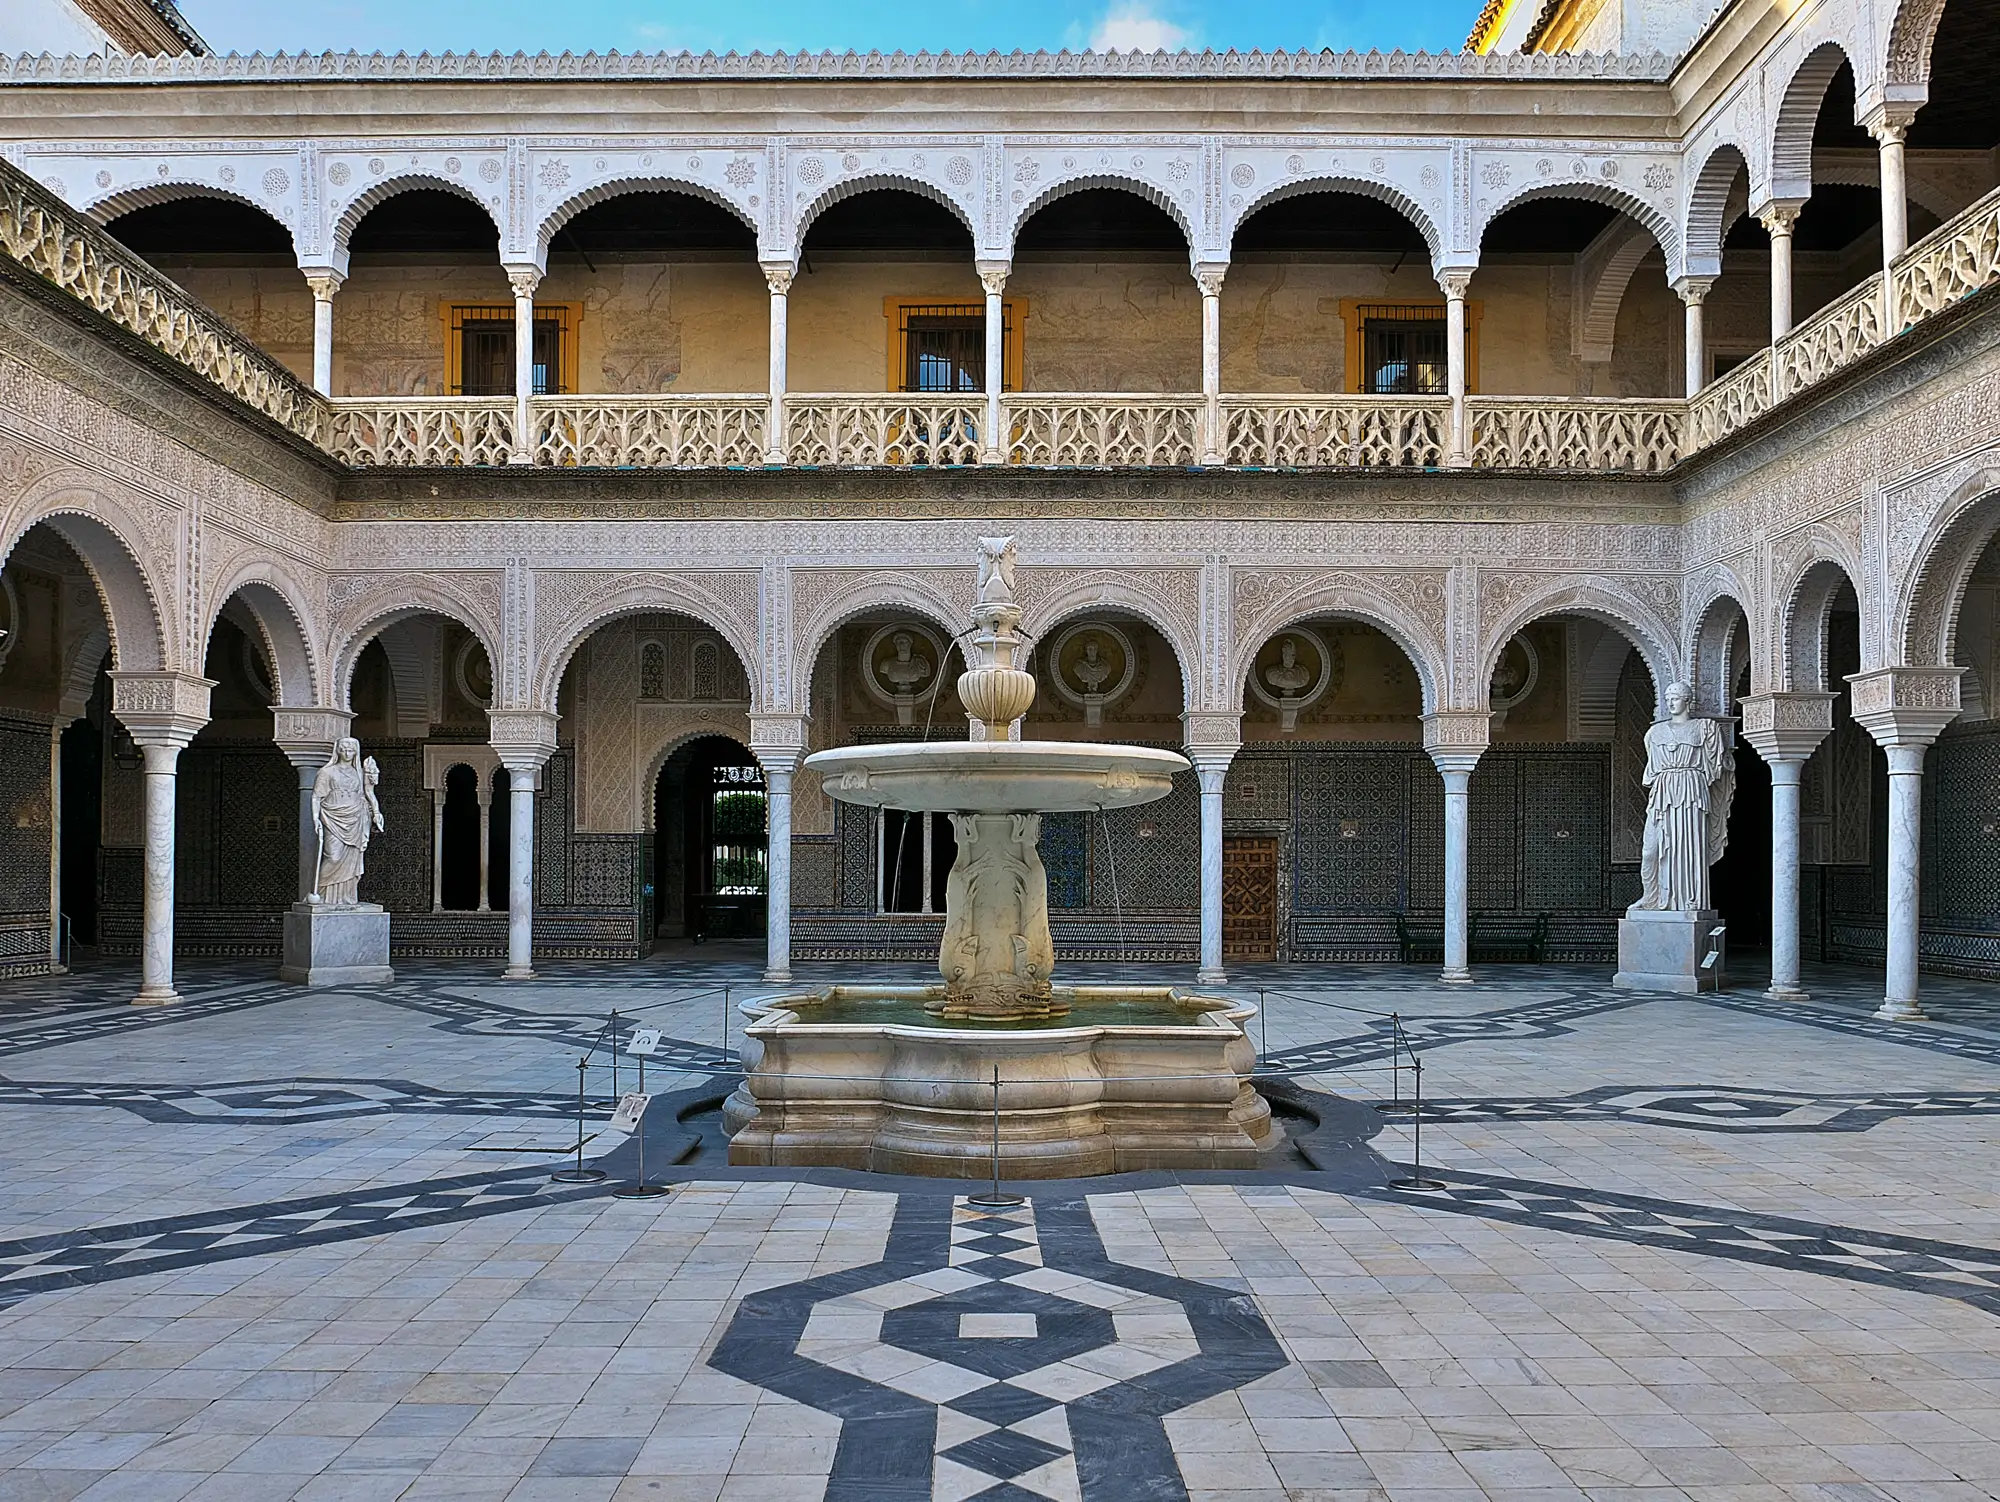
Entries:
{"x":523,"y":739}
{"x":778,"y":275}
{"x":1208,"y":276}
{"x":1786,"y":727}
{"x":524,"y":279}
{"x":993,"y":275}
{"x":307,"y":736}
{"x":1780,"y":215}
{"x":324,"y":281}
{"x":160,"y":709}
{"x":1905,"y":707}
{"x":1693,"y":290}
{"x":1456,"y":738}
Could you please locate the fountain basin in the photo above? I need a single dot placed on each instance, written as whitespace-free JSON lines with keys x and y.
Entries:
{"x":998,"y":776}
{"x":883,"y":1086}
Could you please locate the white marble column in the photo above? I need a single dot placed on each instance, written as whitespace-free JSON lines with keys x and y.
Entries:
{"x":1455,"y":740}
{"x":1455,"y":284}
{"x":1209,"y":278}
{"x":1785,"y":729}
{"x":1784,"y":986}
{"x":1693,"y":292}
{"x":778,"y":277}
{"x":437,"y":849}
{"x":156,"y":961}
{"x":485,"y":796}
{"x":324,"y":284}
{"x":778,"y":769}
{"x":1212,"y":768}
{"x":1906,"y":793}
{"x":1778,"y":220}
{"x":520,"y":874}
{"x":524,"y":280}
{"x":1905,"y":709}
{"x":994,"y":441}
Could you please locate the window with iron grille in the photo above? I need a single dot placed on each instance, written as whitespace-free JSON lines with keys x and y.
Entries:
{"x":942,"y":346}
{"x":481,"y":352}
{"x":1403,"y":350}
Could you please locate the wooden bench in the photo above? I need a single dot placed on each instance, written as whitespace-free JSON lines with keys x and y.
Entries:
{"x":1491,"y":939}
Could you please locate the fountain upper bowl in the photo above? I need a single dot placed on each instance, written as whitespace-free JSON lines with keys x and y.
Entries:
{"x":996,"y":777}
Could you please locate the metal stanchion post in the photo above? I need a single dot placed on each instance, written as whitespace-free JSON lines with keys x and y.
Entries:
{"x":1394,"y":1106}
{"x":579,"y":1174}
{"x":641,"y":1190}
{"x":993,"y":1199}
{"x":1416,"y":1180}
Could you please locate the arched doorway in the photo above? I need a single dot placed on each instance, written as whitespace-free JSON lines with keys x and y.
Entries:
{"x":710,"y":850}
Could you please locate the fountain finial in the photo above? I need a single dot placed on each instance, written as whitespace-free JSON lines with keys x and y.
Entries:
{"x":993,"y":690}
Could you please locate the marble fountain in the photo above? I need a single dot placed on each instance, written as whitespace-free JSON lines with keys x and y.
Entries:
{"x":1093,"y":1078}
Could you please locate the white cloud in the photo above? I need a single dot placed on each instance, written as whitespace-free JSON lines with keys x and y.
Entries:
{"x":1131,"y":27}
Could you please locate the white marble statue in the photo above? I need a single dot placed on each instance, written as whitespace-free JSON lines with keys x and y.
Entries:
{"x":345,"y":812}
{"x":1690,"y":779}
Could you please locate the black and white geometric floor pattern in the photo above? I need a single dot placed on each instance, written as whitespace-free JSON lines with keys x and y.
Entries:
{"x":1722,"y":1108}
{"x":1943,"y":1268}
{"x":100,"y":1254}
{"x":998,"y":1356}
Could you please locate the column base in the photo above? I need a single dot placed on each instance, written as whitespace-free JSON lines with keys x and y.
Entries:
{"x":1785,"y":993}
{"x":518,"y":972}
{"x":1457,"y":977}
{"x":1901,"y":1011}
{"x":164,"y":996}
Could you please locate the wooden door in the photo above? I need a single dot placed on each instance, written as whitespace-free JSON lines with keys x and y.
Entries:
{"x":1249,"y":899}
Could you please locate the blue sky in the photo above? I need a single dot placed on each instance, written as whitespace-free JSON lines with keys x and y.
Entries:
{"x":791,"y":25}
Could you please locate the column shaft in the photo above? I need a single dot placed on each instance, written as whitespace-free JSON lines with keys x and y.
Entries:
{"x":156,"y":964}
{"x":1906,"y":772}
{"x":1785,"y":881}
{"x":1211,"y":972}
{"x":778,"y":875}
{"x":1457,"y":878}
{"x":520,"y":874}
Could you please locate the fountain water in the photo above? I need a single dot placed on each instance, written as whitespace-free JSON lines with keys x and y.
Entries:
{"x":1095,"y":1078}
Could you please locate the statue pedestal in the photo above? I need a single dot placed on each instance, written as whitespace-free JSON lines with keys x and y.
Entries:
{"x":336,"y":946}
{"x":1666,"y":951}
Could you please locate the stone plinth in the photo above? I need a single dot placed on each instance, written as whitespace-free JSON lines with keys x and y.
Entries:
{"x":336,"y":946}
{"x":1665,"y":951}
{"x":918,"y":1099}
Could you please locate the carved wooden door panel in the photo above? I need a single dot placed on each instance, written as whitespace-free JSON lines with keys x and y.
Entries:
{"x":1249,"y":899}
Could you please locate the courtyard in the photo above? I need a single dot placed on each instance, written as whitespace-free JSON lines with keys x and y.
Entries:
{"x":276,"y":1243}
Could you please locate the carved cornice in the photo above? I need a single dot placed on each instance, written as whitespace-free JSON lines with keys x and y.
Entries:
{"x":1647,"y":67}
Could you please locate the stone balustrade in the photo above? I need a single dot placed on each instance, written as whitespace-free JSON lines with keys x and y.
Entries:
{"x":44,"y":235}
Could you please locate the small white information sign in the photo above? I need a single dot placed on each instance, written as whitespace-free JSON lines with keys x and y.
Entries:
{"x":631,"y":1110}
{"x":645,"y":1041}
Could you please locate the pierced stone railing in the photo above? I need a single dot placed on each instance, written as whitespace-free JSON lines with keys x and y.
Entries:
{"x":899,"y":430}
{"x":1731,"y":402}
{"x":422,"y":430}
{"x":43,"y":234}
{"x":1097,"y":432}
{"x":1955,"y":260}
{"x":1306,"y":432}
{"x":650,"y":432}
{"x":1835,"y":337}
{"x":1560,"y":432}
